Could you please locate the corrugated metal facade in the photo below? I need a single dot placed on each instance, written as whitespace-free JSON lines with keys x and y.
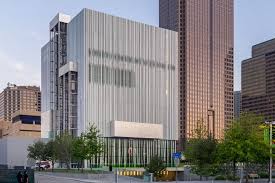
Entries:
{"x":45,"y":77}
{"x":126,"y":71}
{"x":107,"y":50}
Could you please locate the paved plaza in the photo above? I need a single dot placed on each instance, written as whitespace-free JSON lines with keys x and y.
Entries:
{"x":47,"y":178}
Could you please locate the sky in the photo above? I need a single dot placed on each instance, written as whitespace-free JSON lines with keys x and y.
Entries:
{"x":24,"y":30}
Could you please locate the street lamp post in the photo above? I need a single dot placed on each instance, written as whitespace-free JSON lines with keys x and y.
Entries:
{"x":177,"y":162}
{"x":270,"y":149}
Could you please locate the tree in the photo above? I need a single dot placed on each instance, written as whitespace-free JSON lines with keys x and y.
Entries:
{"x":36,"y":152}
{"x":50,"y":152}
{"x":63,"y":146}
{"x":244,"y":143}
{"x":201,"y":152}
{"x":80,"y":150}
{"x":94,"y":142}
{"x":155,"y":166}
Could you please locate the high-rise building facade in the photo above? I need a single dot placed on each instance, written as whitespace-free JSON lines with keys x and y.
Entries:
{"x":59,"y":87}
{"x":237,"y":104}
{"x":258,"y":76}
{"x":117,"y":74}
{"x":205,"y":39}
{"x":17,"y":98}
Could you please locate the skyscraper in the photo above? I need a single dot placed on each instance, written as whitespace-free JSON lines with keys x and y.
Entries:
{"x":205,"y":29}
{"x":237,"y":104}
{"x":117,"y":74}
{"x":258,"y":76}
{"x":17,"y":98}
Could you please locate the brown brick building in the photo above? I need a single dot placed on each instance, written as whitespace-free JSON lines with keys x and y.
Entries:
{"x":26,"y":123}
{"x":17,"y":98}
{"x":258,"y":80}
{"x":206,"y":44}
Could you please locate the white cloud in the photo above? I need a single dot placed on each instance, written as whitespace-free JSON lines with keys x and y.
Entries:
{"x":17,"y":72}
{"x":19,"y":67}
{"x":36,"y":36}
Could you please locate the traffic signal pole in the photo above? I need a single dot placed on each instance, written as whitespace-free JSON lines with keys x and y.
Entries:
{"x":270,"y":123}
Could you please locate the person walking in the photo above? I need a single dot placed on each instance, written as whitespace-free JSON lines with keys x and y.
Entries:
{"x":25,"y":177}
{"x":19,"y":177}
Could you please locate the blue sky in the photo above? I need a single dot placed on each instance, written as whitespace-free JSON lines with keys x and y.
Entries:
{"x":24,"y":29}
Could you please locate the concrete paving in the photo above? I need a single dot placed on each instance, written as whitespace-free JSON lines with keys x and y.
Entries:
{"x":52,"y":178}
{"x":39,"y":178}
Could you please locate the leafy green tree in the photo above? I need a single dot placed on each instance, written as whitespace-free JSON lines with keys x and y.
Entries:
{"x":93,"y":142}
{"x":63,"y":147}
{"x":50,"y":152}
{"x":36,"y":151}
{"x":155,"y":166}
{"x":244,"y":143}
{"x":80,"y":150}
{"x":201,"y":152}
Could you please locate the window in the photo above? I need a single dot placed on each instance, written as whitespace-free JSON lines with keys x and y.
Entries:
{"x":119,"y":77}
{"x":25,"y":119}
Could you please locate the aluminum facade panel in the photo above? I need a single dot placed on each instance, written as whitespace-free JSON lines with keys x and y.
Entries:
{"x":45,"y":77}
{"x":46,"y":118}
{"x":136,"y":130}
{"x":60,"y":17}
{"x":70,"y":66}
{"x":106,"y":49}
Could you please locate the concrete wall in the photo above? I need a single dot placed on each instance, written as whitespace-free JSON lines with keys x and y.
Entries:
{"x":3,"y":151}
{"x":13,"y":151}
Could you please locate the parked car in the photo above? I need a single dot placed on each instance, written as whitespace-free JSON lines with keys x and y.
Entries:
{"x":43,"y":166}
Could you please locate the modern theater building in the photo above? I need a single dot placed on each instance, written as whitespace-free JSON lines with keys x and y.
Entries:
{"x":115,"y":73}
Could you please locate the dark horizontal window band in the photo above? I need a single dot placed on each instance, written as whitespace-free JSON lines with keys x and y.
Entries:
{"x":30,"y":130}
{"x":30,"y":123}
{"x":128,"y":59}
{"x":112,"y":76}
{"x":25,"y":119}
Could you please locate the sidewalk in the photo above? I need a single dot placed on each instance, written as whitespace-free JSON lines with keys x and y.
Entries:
{"x":40,"y":177}
{"x":45,"y":177}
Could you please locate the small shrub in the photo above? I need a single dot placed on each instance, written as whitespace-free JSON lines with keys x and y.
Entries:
{"x":263,"y":175}
{"x":220,"y":177}
{"x":155,"y":166}
{"x":231,"y":177}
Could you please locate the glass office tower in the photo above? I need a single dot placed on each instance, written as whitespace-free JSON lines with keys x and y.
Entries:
{"x":205,"y":29}
{"x":258,"y":76}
